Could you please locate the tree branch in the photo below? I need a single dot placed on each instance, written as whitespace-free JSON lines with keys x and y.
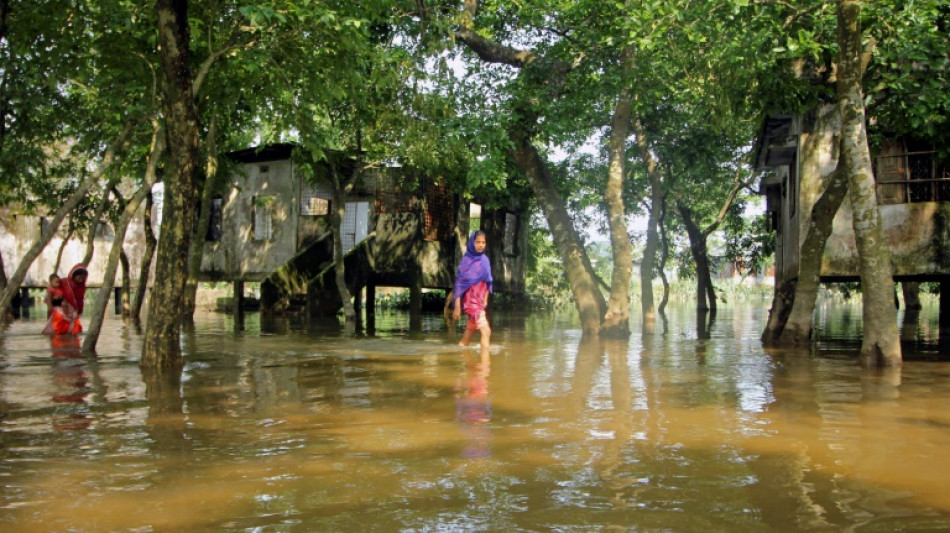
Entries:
{"x":737,"y":186}
{"x":206,"y":65}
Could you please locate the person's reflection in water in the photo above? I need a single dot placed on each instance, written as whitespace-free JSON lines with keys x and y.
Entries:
{"x":473,"y":407}
{"x":70,"y":381}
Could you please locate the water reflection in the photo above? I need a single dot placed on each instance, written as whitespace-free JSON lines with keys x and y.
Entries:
{"x":70,"y":382}
{"x":473,"y":406}
{"x":286,"y":426}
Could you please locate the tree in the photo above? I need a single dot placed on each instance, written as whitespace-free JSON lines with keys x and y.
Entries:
{"x":880,"y":345}
{"x":128,"y":212}
{"x":903,"y":84}
{"x":162,"y":346}
{"x":795,"y":327}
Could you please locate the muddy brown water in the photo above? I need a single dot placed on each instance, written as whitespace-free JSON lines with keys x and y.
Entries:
{"x":287,"y":427}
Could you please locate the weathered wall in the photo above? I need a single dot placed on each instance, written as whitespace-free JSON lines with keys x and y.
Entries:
{"x":238,"y":255}
{"x":19,"y":232}
{"x":916,"y":234}
{"x":399,"y":248}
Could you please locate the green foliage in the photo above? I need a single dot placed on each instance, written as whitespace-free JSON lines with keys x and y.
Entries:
{"x":544,"y":276}
{"x":383,"y":79}
{"x":432,"y":301}
{"x":906,"y":82}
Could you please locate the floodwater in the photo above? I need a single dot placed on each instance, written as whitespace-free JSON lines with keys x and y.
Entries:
{"x":284,"y":427}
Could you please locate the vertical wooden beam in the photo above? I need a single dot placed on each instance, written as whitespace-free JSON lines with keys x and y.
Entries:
{"x":415,"y":303}
{"x":358,"y":307}
{"x":238,"y":304}
{"x":944,"y":319}
{"x":371,"y":309}
{"x":25,"y":302}
{"x":118,"y":300}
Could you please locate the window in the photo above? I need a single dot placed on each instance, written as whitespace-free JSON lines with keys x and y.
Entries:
{"x":214,"y":221}
{"x":264,"y":217}
{"x":317,"y":207}
{"x":355,"y":224}
{"x":315,"y":199}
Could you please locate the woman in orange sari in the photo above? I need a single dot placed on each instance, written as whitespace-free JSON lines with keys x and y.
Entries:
{"x":74,"y":291}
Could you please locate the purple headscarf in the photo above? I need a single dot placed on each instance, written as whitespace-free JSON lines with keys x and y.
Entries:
{"x":473,"y":268}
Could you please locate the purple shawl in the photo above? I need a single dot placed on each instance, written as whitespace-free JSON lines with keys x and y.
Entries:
{"x":473,"y":268}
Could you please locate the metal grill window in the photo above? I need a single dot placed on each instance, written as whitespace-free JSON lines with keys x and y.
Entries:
{"x":911,"y":177}
{"x":264,"y":217}
{"x":315,"y":199}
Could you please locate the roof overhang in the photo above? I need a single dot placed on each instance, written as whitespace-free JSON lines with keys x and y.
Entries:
{"x":777,"y":142}
{"x":260,"y":154}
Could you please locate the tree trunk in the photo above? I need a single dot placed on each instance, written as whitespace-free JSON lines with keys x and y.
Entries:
{"x":94,"y":227}
{"x":13,"y":283}
{"x":616,"y":322}
{"x":204,"y":219}
{"x":162,"y":347}
{"x":647,"y":265}
{"x":664,"y":255}
{"x":62,"y":248}
{"x":108,"y":277}
{"x":782,"y":299}
{"x":126,"y":305}
{"x":792,"y":325}
{"x":339,"y":268}
{"x":881,"y":343}
{"x":587,"y":297}
{"x":156,"y":151}
{"x":798,"y":326}
{"x":705,"y":292}
{"x":141,"y":286}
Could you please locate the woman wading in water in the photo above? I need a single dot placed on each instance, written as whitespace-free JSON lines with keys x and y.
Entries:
{"x":473,"y":284}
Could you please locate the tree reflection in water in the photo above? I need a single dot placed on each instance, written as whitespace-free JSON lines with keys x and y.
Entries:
{"x":288,"y":427}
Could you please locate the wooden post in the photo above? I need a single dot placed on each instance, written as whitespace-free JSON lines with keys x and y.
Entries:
{"x":415,"y":303}
{"x":238,"y":304}
{"x":118,"y":300}
{"x":25,"y":302}
{"x":944,"y":320}
{"x":371,"y":309}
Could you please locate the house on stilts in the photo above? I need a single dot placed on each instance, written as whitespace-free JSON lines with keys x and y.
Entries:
{"x":913,"y":192}
{"x":270,"y":225}
{"x":400,"y":229}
